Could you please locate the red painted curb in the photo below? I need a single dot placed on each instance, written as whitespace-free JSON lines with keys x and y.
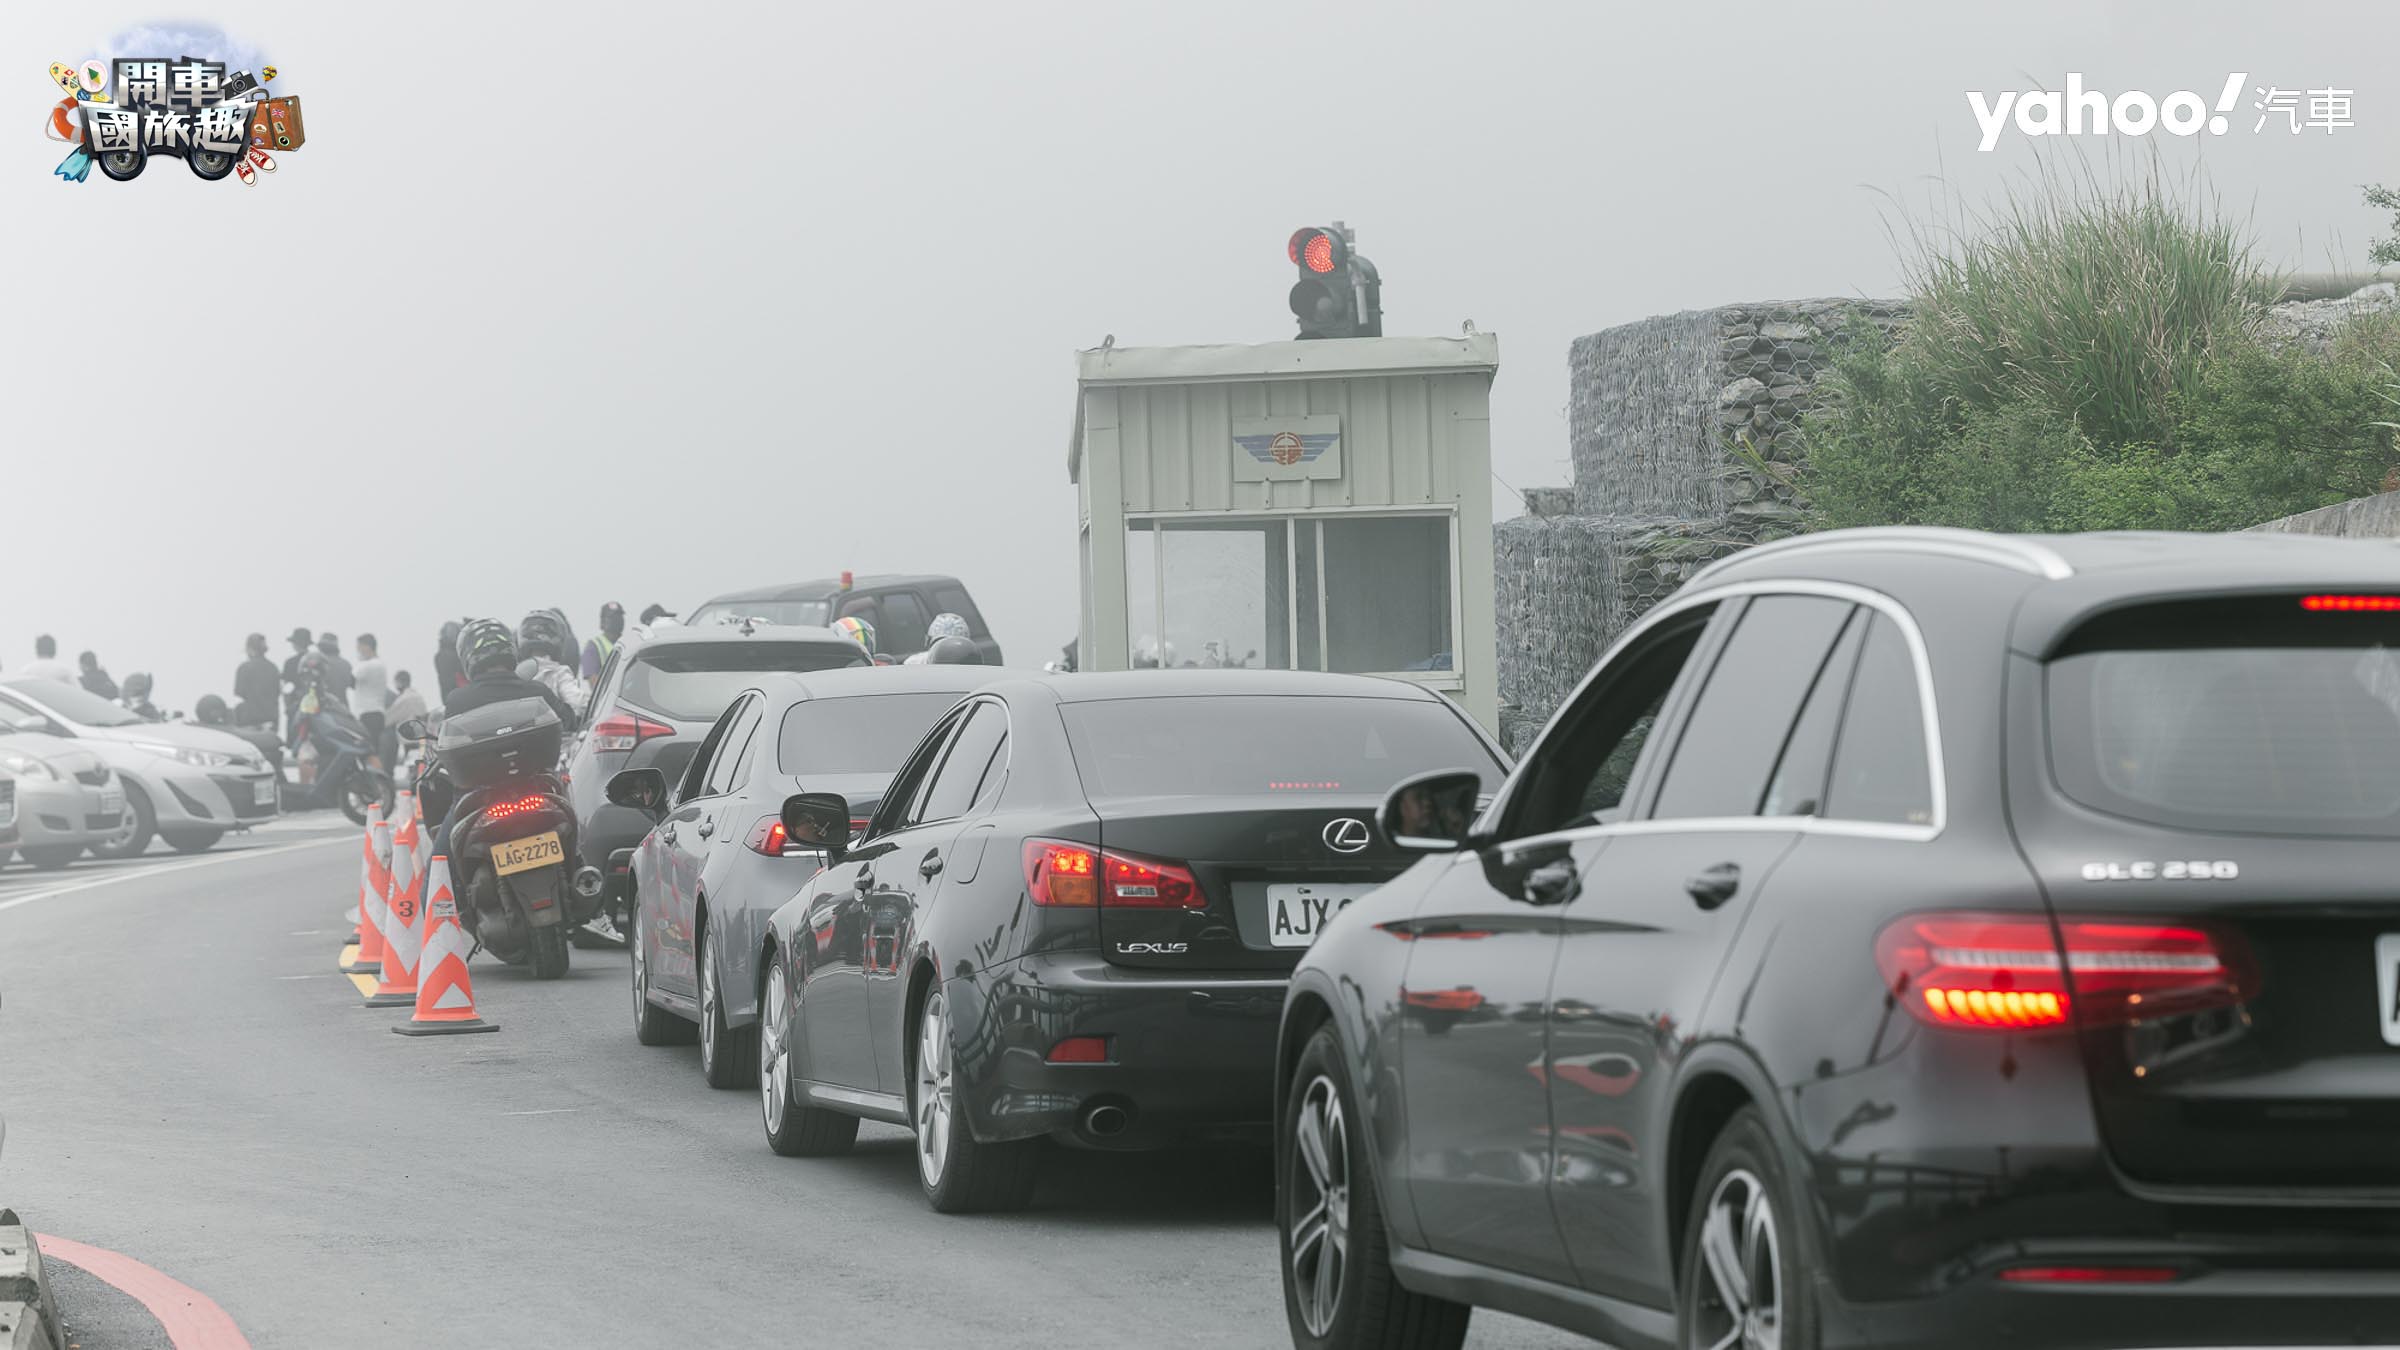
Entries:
{"x":191,"y":1319}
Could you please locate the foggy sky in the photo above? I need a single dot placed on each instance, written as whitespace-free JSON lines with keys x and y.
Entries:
{"x":563,"y":304}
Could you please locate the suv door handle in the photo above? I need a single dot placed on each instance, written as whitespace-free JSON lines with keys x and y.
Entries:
{"x":667,"y":832}
{"x":930,"y":865}
{"x":707,"y":828}
{"x":1553,"y":883}
{"x":1715,"y":886}
{"x":863,"y":882}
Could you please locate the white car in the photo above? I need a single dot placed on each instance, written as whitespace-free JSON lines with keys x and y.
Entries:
{"x":65,"y":799}
{"x":185,"y":784}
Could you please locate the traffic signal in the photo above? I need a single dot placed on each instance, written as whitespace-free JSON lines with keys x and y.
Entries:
{"x":1339,"y":293}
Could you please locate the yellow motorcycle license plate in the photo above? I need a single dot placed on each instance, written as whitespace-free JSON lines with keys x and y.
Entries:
{"x":534,"y":850}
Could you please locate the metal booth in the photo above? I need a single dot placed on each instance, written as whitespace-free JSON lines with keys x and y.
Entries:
{"x":1320,"y":505}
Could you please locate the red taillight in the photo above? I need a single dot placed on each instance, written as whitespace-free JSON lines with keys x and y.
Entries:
{"x":2090,"y":1275}
{"x":2008,"y":972}
{"x":2351,"y":604}
{"x":1080,"y":1050}
{"x":1059,"y":873}
{"x":623,"y":731}
{"x":768,"y":837}
{"x":503,"y":810}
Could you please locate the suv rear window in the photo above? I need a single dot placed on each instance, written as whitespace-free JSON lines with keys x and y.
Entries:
{"x":693,"y":681}
{"x":1248,"y":744}
{"x":2252,"y":715}
{"x":867,"y":734}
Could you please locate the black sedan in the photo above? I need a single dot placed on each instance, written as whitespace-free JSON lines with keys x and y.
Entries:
{"x":718,"y":861}
{"x":1074,"y":914}
{"x":1910,"y":938}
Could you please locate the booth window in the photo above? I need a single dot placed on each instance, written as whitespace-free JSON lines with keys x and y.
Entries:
{"x":1363,"y":594}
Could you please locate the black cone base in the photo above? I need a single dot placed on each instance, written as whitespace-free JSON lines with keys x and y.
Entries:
{"x":443,"y":1028}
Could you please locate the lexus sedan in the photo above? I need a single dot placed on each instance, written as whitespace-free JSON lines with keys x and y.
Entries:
{"x":1073,"y":914}
{"x":650,"y":706}
{"x":61,"y":798}
{"x":719,"y":861}
{"x":1909,"y":938}
{"x":183,"y":783}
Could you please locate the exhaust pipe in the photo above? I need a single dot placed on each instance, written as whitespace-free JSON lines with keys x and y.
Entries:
{"x":588,"y":881}
{"x":1106,"y":1120}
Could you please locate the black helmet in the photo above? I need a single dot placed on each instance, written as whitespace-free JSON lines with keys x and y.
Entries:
{"x":542,"y":631}
{"x":209,"y":710}
{"x":954,"y":651}
{"x":486,"y":644}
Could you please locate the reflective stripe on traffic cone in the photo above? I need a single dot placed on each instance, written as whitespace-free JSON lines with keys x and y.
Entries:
{"x":370,"y":934}
{"x":445,"y":997}
{"x":403,"y":927}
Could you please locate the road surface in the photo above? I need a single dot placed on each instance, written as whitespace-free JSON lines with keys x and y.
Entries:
{"x":189,"y":1082}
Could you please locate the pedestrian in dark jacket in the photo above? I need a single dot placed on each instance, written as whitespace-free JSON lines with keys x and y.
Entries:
{"x":254,"y":685}
{"x":94,"y":679}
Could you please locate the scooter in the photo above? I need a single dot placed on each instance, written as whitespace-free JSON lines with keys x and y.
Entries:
{"x":494,"y":779}
{"x":349,"y":773}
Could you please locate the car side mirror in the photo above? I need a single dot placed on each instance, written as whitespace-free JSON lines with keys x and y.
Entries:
{"x":644,"y":790}
{"x":819,"y":820}
{"x":1433,"y":812}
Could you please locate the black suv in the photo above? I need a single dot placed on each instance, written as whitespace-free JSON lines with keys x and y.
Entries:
{"x":896,"y":607}
{"x":1903,"y":937}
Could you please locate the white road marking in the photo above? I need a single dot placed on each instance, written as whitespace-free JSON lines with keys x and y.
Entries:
{"x":304,"y":977}
{"x":552,"y":1111}
{"x":146,"y":873}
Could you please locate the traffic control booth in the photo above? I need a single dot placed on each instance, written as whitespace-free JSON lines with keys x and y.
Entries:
{"x":1321,"y":505}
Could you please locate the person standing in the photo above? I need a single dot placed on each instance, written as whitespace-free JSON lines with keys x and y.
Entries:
{"x":295,"y":682}
{"x":597,"y":651}
{"x":254,"y":685}
{"x":371,"y":696}
{"x":407,"y":701}
{"x":448,"y":673}
{"x":337,"y":679}
{"x":93,"y":679}
{"x":46,"y":665}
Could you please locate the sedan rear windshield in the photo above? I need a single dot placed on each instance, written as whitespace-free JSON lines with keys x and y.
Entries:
{"x":857,"y":735}
{"x":2276,"y":716}
{"x":694,"y":681}
{"x":1247,"y":744}
{"x":784,"y":613}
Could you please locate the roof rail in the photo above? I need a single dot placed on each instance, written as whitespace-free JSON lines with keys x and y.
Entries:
{"x":2005,"y":550}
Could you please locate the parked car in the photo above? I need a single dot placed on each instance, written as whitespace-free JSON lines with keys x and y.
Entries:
{"x":898,"y":607}
{"x":1902,"y":937}
{"x":719,"y":861}
{"x":652,"y":702}
{"x":63,"y":798}
{"x":185,"y":784}
{"x":1072,"y":915}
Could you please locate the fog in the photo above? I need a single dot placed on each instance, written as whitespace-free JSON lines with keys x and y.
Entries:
{"x":565,"y":304}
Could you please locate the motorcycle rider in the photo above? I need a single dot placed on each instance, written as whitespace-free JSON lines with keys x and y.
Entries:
{"x":858,"y":630}
{"x":448,"y":675}
{"x":954,"y":651}
{"x":487,"y":651}
{"x":544,"y":648}
{"x":137,"y":698}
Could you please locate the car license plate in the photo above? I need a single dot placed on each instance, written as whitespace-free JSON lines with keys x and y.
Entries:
{"x":112,"y":803}
{"x":522,"y":855}
{"x":262,"y":792}
{"x":1297,"y":913}
{"x":2387,"y":985}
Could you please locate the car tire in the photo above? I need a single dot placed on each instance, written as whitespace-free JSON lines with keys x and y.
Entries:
{"x":652,"y":1024}
{"x":959,"y":1173}
{"x":1742,"y":1230}
{"x":548,"y":951}
{"x":136,"y":836}
{"x":191,"y":841}
{"x":51,"y":857}
{"x":795,"y":1129}
{"x":1339,"y":1292}
{"x":728,"y":1055}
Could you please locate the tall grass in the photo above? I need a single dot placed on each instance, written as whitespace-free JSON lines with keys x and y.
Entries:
{"x":2097,"y":301}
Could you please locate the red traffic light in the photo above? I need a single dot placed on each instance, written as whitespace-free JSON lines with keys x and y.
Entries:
{"x":1317,"y":250}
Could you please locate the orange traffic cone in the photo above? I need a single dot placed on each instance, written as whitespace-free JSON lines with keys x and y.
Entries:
{"x":403,"y":928}
{"x":445,"y":997}
{"x":370,"y":935}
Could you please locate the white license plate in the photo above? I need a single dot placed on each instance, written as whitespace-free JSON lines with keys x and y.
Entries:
{"x":112,"y":803}
{"x":262,"y":792}
{"x":2387,"y":985}
{"x":519,"y":855}
{"x":1297,"y":913}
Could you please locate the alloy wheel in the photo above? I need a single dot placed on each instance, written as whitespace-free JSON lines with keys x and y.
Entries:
{"x":933,"y":1091}
{"x":641,"y":980}
{"x":1741,"y":1306}
{"x":1318,"y":1216}
{"x":774,"y":1055}
{"x":708,"y":1003}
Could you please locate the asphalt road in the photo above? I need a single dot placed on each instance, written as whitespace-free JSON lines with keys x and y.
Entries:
{"x":189,"y":1082}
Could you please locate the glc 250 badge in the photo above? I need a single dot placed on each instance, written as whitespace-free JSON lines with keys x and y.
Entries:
{"x":2174,"y":869}
{"x":1153,"y":948}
